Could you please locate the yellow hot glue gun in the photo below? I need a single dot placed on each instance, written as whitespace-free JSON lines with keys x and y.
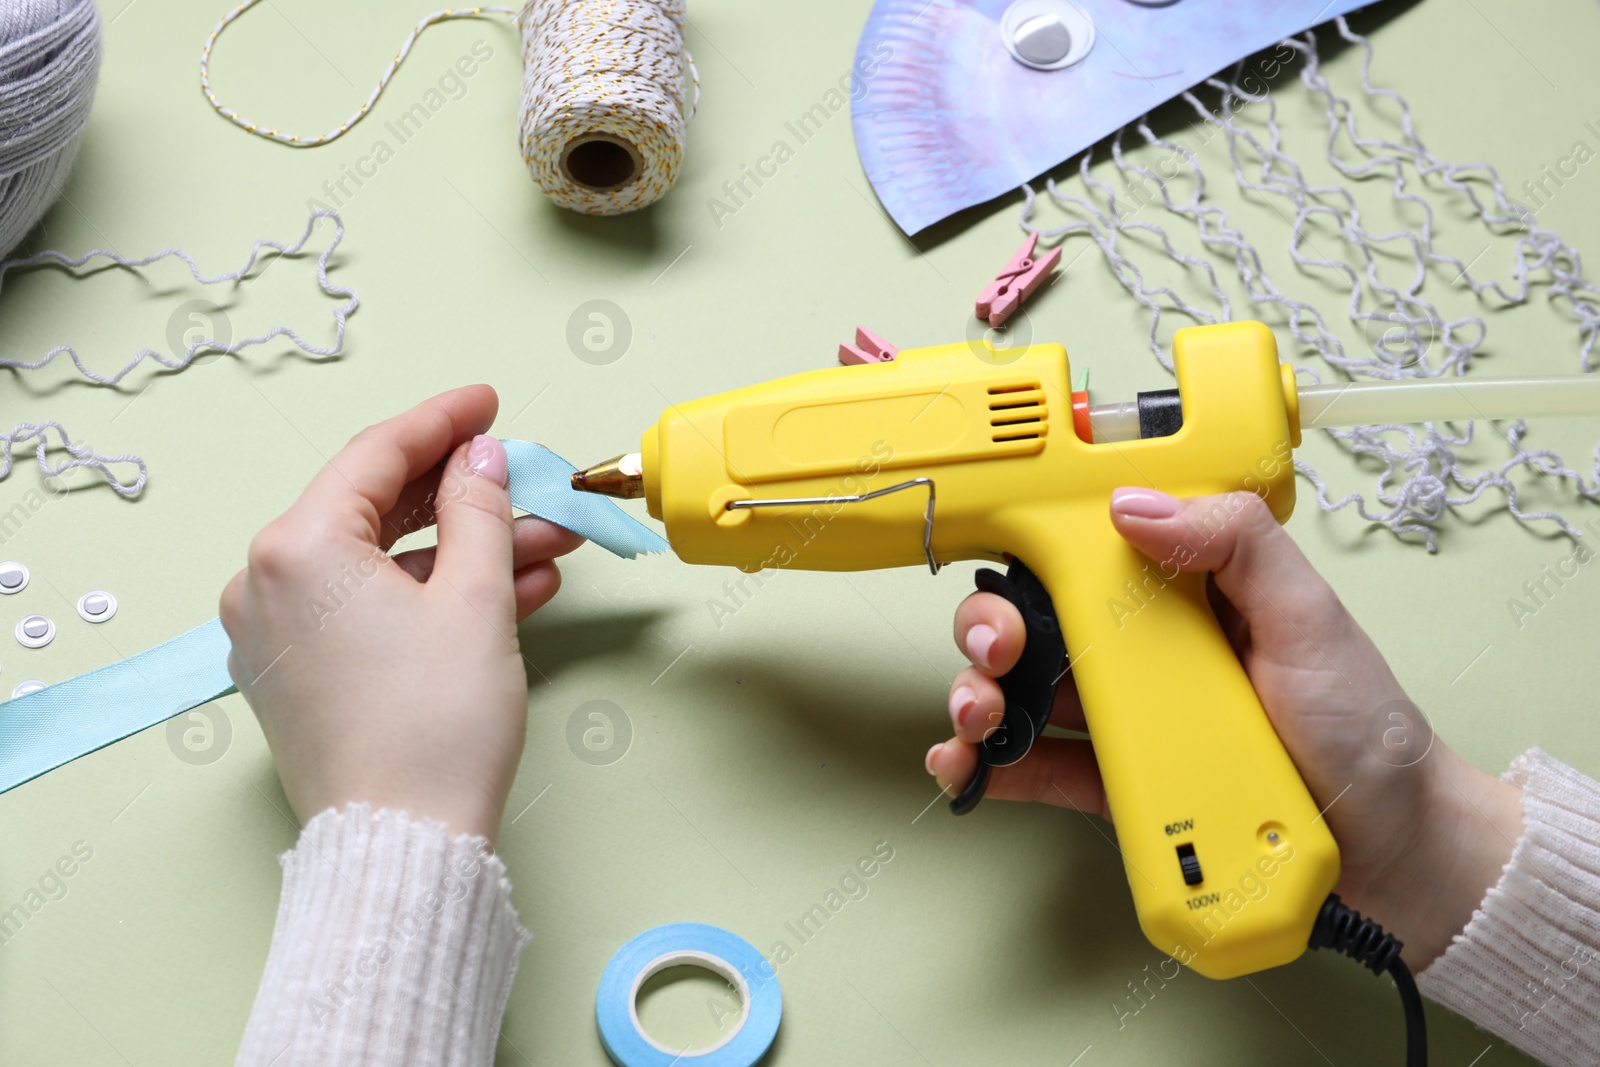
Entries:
{"x":939,"y":455}
{"x":936,"y":454}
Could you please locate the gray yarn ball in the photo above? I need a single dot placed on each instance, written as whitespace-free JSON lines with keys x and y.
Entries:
{"x":49,"y":60}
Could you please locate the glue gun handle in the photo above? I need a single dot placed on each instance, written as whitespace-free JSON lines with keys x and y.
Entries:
{"x":1198,"y":782}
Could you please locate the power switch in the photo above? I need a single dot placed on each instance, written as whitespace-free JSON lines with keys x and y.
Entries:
{"x":1190,"y":864}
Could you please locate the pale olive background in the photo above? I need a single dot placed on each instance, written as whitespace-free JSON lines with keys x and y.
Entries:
{"x":768,"y":753}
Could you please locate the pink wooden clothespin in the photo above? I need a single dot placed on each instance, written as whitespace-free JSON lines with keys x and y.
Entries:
{"x":869,"y":348}
{"x":1016,"y":283}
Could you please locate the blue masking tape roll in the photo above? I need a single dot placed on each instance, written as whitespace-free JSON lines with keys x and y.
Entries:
{"x":55,"y":725}
{"x":699,"y":945}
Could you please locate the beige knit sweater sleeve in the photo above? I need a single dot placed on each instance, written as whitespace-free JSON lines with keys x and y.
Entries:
{"x":1527,"y":967}
{"x":396,"y":944}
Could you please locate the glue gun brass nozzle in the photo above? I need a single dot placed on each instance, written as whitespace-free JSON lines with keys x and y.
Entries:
{"x":621,"y":477}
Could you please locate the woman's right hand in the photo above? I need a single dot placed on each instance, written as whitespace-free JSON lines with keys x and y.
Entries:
{"x":1420,"y":844}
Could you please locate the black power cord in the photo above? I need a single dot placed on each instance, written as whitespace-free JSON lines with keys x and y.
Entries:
{"x":1344,"y":930}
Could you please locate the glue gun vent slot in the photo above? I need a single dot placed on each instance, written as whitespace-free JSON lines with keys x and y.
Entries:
{"x":1017,"y":411}
{"x":1023,"y":394}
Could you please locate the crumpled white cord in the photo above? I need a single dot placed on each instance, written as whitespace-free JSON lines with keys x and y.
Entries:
{"x":1538,"y":249}
{"x":1103,"y":228}
{"x":84,"y":456}
{"x":1420,"y":463}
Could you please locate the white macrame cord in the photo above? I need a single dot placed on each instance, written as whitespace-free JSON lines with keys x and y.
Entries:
{"x":1422,"y":477}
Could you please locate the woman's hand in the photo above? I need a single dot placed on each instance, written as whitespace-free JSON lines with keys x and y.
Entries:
{"x":1420,"y":844}
{"x":399,"y":681}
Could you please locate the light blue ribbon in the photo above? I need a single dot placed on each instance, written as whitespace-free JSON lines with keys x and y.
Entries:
{"x":55,"y":725}
{"x":541,"y":484}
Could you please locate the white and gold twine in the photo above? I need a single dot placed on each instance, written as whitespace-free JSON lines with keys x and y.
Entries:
{"x":612,"y":73}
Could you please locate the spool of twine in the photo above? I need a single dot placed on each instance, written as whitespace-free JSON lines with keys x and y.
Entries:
{"x":49,"y":61}
{"x":607,"y":90}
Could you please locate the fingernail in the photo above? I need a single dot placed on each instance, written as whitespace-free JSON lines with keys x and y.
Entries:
{"x":487,"y":457}
{"x":1143,"y":504}
{"x":927,"y":761}
{"x":980,"y":639}
{"x":961,"y":702}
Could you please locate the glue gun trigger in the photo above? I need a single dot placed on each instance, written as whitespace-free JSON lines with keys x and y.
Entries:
{"x":1029,"y":687}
